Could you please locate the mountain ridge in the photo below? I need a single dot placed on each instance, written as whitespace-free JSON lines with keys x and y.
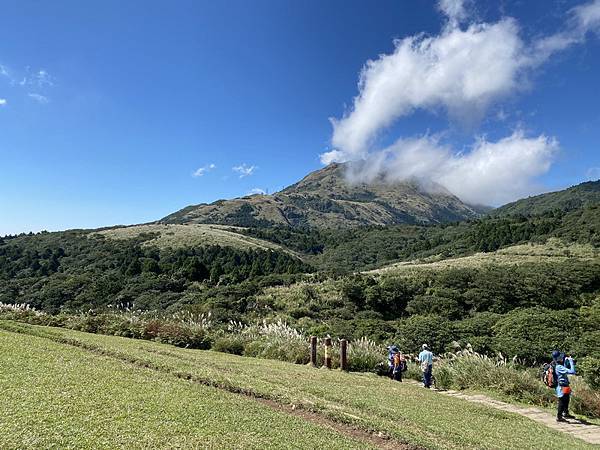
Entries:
{"x":574,"y":197}
{"x":326,"y":199}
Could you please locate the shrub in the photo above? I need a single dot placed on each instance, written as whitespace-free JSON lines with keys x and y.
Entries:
{"x":276,"y":341}
{"x":364,"y":355}
{"x":590,"y":369}
{"x":293,"y":352}
{"x":179,"y":334}
{"x":532,"y":333}
{"x":417,"y":330}
{"x":231,"y":343}
{"x":585,"y":400}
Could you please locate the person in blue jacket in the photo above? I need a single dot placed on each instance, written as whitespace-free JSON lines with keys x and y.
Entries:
{"x":396,"y":363}
{"x":563,"y":368}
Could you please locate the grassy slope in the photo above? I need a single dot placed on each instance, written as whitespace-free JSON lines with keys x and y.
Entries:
{"x":552,"y":251}
{"x":191,"y":235}
{"x":59,"y":396}
{"x":407,"y":412}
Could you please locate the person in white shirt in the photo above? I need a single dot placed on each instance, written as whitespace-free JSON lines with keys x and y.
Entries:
{"x":426,"y":360}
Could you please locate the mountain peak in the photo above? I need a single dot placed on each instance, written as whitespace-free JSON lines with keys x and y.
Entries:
{"x":326,"y":198}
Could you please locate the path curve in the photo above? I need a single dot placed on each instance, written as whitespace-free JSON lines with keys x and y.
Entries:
{"x":587,"y":432}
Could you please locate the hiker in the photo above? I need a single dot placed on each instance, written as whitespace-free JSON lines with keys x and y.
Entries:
{"x":396,"y":362}
{"x":563,"y":367}
{"x":426,"y":360}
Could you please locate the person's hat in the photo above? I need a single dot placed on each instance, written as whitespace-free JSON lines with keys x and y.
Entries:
{"x":557,"y":355}
{"x":393,"y":348}
{"x":425,"y":346}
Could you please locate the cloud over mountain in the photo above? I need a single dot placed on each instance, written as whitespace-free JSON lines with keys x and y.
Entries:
{"x":460,"y":72}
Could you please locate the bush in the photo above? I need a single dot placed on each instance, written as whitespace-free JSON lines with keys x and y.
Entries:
{"x":275,"y":341}
{"x":179,"y":334}
{"x":533,"y":333}
{"x":232,"y":343}
{"x":590,"y":369}
{"x":417,"y":330}
{"x":364,"y":355}
{"x":585,"y":400}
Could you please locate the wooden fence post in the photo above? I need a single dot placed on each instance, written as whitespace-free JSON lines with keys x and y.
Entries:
{"x":344,"y":354}
{"x":313,"y":351}
{"x":328,"y":352}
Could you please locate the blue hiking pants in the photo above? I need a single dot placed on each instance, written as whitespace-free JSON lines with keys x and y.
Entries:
{"x":427,"y":376}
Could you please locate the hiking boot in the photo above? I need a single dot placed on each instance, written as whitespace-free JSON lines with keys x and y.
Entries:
{"x":568,"y":416}
{"x":561,"y":419}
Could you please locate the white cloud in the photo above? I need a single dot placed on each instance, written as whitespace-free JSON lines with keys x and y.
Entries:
{"x":490,"y":173}
{"x":455,"y":10}
{"x":40,"y":78}
{"x":2,"y":101}
{"x":244,"y":170}
{"x":42,"y":99}
{"x":581,"y":20}
{"x":255,"y":191}
{"x":587,"y":16}
{"x":462,"y":72}
{"x":202,"y":170}
{"x":4,"y":71}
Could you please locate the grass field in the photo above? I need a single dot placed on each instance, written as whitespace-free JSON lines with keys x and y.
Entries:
{"x":59,"y":396}
{"x":552,"y":251}
{"x":192,"y":235}
{"x":62,"y":386}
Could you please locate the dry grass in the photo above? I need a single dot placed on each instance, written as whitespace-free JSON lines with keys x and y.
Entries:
{"x":552,"y":251}
{"x":192,"y":235}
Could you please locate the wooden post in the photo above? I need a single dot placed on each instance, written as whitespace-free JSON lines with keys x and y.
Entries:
{"x":344,"y":354}
{"x":328,"y":352}
{"x":313,"y":351}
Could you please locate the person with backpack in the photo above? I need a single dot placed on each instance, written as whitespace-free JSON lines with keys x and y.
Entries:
{"x":396,"y":363}
{"x":561,"y":368}
{"x":426,"y":361}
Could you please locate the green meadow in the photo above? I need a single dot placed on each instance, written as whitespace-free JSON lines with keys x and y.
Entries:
{"x":68,"y":389}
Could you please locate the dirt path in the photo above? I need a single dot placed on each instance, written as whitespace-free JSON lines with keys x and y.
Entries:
{"x":585,"y":431}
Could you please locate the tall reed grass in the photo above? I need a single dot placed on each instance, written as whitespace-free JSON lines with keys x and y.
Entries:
{"x":461,"y":369}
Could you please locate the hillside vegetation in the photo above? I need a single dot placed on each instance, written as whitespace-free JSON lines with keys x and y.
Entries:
{"x":372,"y":247}
{"x":487,"y":282}
{"x":79,"y":270}
{"x":193,"y":235}
{"x":326,"y":199}
{"x":575,"y":197}
{"x":163,"y":390}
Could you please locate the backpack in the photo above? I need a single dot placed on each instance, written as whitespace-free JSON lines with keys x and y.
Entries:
{"x":399,"y":362}
{"x":549,"y":375}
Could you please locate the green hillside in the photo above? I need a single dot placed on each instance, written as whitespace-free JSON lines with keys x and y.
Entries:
{"x":61,"y":396}
{"x":575,"y":197}
{"x":326,"y":199}
{"x":153,"y":267}
{"x":122,"y":392}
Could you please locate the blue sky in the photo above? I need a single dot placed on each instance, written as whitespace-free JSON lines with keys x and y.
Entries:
{"x":108,"y":111}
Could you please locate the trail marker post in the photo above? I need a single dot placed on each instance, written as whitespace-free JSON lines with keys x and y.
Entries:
{"x":328,"y":352}
{"x":313,"y":351}
{"x":344,"y":354}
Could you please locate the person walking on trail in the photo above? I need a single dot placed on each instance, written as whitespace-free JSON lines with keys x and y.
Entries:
{"x":563,"y":367}
{"x":396,"y":363}
{"x":426,"y":361}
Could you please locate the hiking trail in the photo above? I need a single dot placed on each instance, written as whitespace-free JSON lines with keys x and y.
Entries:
{"x":587,"y":432}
